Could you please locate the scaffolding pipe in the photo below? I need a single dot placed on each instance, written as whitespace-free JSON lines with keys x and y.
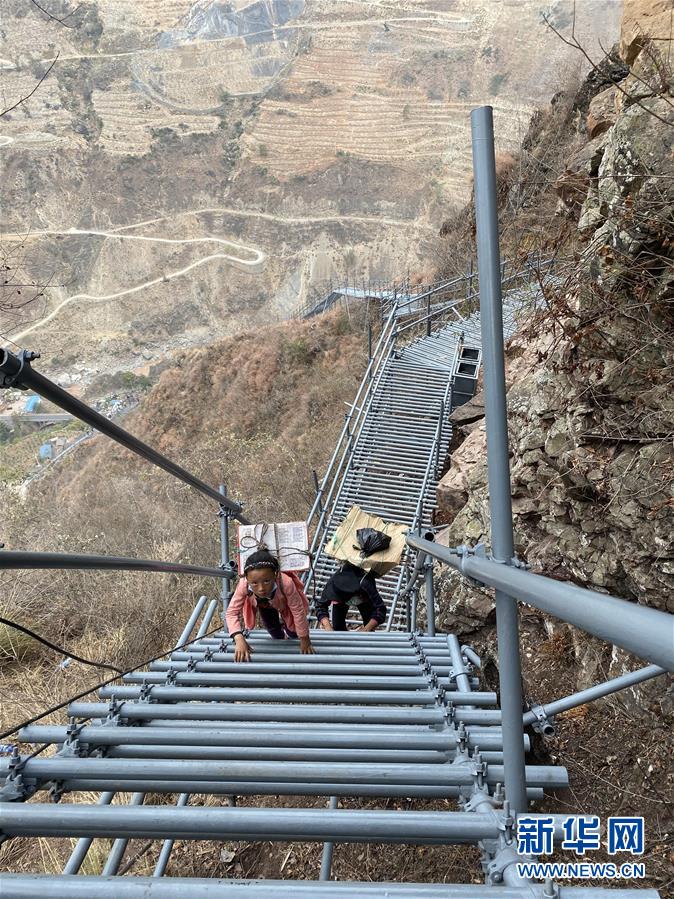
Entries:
{"x":206,"y":620}
{"x":27,"y":886}
{"x":50,"y":886}
{"x":254,"y":694}
{"x":33,"y":560}
{"x":259,"y":687}
{"x":275,"y":754}
{"x":167,"y":847}
{"x":496,"y":416}
{"x":337,"y":714}
{"x":225,"y":592}
{"x":306,"y":727}
{"x":169,"y":770}
{"x":550,"y":709}
{"x":430,"y":600}
{"x":18,"y":372}
{"x":283,"y":788}
{"x":180,"y":661}
{"x":185,"y":823}
{"x":118,"y":848}
{"x":276,"y":737}
{"x":472,"y":656}
{"x":646,"y":632}
{"x":192,"y":620}
{"x":83,"y":845}
{"x":413,"y":609}
{"x":326,"y":860}
{"x":458,"y":667}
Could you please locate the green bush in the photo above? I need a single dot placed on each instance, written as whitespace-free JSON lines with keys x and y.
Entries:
{"x":297,"y":351}
{"x":131,"y":380}
{"x":496,"y":83}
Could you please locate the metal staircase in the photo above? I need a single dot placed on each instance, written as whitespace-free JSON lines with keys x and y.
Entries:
{"x":394,"y":443}
{"x":372,"y":716}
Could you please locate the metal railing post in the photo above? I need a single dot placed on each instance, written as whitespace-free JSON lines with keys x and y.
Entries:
{"x":318,"y":489}
{"x":491,"y":315}
{"x":413,"y":610}
{"x":225,"y":590}
{"x":430,"y":597}
{"x":326,"y":860}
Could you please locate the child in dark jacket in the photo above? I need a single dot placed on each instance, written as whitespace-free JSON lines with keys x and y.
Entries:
{"x":350,"y":586}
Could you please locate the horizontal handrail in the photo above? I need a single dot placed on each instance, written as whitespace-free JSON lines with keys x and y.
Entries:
{"x":435,"y":313}
{"x":444,"y":285}
{"x":389,"y":294}
{"x":20,"y":559}
{"x":452,"y":304}
{"x":17,"y":372}
{"x":646,"y":632}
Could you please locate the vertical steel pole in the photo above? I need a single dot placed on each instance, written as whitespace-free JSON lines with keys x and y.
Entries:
{"x":83,"y":845}
{"x":317,"y":487}
{"x":430,"y":597}
{"x":439,"y":443}
{"x":491,"y":316}
{"x":118,"y":849}
{"x":225,"y":591}
{"x":428,"y":316}
{"x":413,"y":613}
{"x":326,"y":861}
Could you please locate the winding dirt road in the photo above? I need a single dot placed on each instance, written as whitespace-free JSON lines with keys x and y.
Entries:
{"x":253,"y":265}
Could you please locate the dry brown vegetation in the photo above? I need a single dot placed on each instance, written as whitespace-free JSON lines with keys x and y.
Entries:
{"x":257,"y":412}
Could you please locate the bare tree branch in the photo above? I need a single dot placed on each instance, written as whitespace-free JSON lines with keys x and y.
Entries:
{"x":28,"y":96}
{"x":654,"y":91}
{"x":55,"y":18}
{"x":575,"y":43}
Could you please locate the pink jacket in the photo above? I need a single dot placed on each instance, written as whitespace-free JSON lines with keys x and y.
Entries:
{"x":288,"y":601}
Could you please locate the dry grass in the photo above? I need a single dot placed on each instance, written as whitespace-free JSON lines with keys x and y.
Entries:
{"x":258,"y":412}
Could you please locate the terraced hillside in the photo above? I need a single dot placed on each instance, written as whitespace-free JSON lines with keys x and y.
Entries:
{"x":322,"y":139}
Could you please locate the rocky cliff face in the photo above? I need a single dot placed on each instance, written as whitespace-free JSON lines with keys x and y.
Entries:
{"x":592,"y":423}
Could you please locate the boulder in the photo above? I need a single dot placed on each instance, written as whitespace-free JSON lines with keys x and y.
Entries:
{"x":643,"y":19}
{"x":452,"y":491}
{"x":602,"y":112}
{"x":470,"y":411}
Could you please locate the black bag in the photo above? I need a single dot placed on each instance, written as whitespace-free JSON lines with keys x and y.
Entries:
{"x":371,"y":541}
